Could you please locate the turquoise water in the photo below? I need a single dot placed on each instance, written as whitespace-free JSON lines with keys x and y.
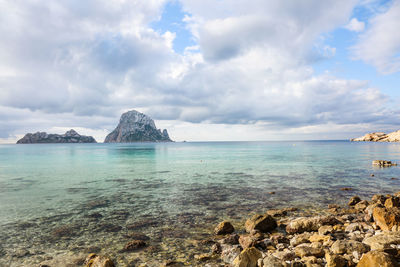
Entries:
{"x":58,"y":198}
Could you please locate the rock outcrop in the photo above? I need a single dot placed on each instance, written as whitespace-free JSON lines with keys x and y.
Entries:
{"x":42,"y":138}
{"x":379,"y":137}
{"x":136,"y":127}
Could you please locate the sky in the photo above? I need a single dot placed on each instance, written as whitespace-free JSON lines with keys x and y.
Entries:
{"x":205,"y":70}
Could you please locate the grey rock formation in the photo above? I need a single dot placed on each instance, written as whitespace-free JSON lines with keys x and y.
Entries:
{"x":136,"y":127}
{"x":69,"y":137}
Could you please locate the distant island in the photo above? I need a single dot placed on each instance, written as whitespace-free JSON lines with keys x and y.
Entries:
{"x":136,"y":127}
{"x":379,"y":137}
{"x":70,"y":136}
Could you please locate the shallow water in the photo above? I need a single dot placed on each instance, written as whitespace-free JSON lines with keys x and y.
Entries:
{"x":62,"y":201}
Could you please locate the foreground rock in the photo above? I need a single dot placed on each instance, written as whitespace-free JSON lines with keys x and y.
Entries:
{"x":136,"y":127}
{"x":224,"y":228}
{"x":376,"y":258}
{"x":248,"y":258}
{"x":263,"y":223}
{"x":43,"y":138}
{"x":379,"y":137}
{"x":94,"y":260}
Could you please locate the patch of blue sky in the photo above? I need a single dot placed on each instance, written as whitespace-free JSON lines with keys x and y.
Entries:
{"x":172,"y":21}
{"x":342,"y":63}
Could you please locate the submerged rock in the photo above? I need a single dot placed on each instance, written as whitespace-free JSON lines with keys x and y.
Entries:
{"x":94,"y":260}
{"x":136,"y":127}
{"x":70,"y":136}
{"x":135,"y":245}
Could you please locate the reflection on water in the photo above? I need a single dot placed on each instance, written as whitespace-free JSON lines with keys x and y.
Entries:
{"x":69,"y":200}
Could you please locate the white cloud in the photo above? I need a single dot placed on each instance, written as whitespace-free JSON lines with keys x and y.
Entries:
{"x":79,"y":65}
{"x":355,"y":25}
{"x":380,"y":44}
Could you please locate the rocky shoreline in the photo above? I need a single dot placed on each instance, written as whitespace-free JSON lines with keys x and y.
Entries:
{"x":363,"y":233}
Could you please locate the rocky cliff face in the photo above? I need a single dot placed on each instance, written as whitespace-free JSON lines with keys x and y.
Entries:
{"x":69,"y":137}
{"x":136,"y":127}
{"x":380,"y":137}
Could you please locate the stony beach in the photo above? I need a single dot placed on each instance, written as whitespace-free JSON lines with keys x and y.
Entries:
{"x":363,"y":233}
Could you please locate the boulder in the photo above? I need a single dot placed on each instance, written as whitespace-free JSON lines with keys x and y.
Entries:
{"x":348,"y":246}
{"x":224,"y":228}
{"x":271,"y":261}
{"x":376,"y":258}
{"x":354,"y":200}
{"x":392,"y":201}
{"x":386,"y":218}
{"x":309,"y":224}
{"x":247,"y":258}
{"x":334,"y":260}
{"x":304,"y":251}
{"x":383,"y":240}
{"x":94,"y":260}
{"x":263,"y":223}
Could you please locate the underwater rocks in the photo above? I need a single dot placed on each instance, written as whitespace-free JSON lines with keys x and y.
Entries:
{"x":135,"y":245}
{"x":94,"y":260}
{"x":70,"y":136}
{"x":136,"y":127}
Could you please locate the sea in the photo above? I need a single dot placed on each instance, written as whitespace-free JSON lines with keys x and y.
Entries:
{"x":60,"y":202}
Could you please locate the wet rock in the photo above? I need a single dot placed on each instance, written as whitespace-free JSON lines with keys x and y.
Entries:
{"x":334,"y":260}
{"x":172,"y":263}
{"x":362,"y":205}
{"x":263,"y":223}
{"x":304,"y":250}
{"x":354,"y":200}
{"x":134,"y":245}
{"x":376,"y":258}
{"x":380,"y":199}
{"x":383,"y":241}
{"x":392,"y":201}
{"x":229,"y":253}
{"x":271,"y":261}
{"x":231,"y":239}
{"x":247,"y":258}
{"x":386,"y":218}
{"x":348,"y":246}
{"x":137,"y":236}
{"x":216,"y":248}
{"x":94,"y":260}
{"x":277,"y":213}
{"x":224,"y":228}
{"x":247,"y":241}
{"x":202,"y":257}
{"x":383,"y":163}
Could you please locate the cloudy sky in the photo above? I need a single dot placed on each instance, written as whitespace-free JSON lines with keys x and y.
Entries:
{"x":203,"y":69}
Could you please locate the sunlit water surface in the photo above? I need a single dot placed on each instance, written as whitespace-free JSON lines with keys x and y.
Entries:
{"x":66,"y":200}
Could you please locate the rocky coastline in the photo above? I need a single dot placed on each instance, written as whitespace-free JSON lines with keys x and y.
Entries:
{"x":379,"y":137}
{"x":362,"y":233}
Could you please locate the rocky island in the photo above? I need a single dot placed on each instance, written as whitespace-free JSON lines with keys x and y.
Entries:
{"x":379,"y":137}
{"x":136,"y":127}
{"x":70,"y":136}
